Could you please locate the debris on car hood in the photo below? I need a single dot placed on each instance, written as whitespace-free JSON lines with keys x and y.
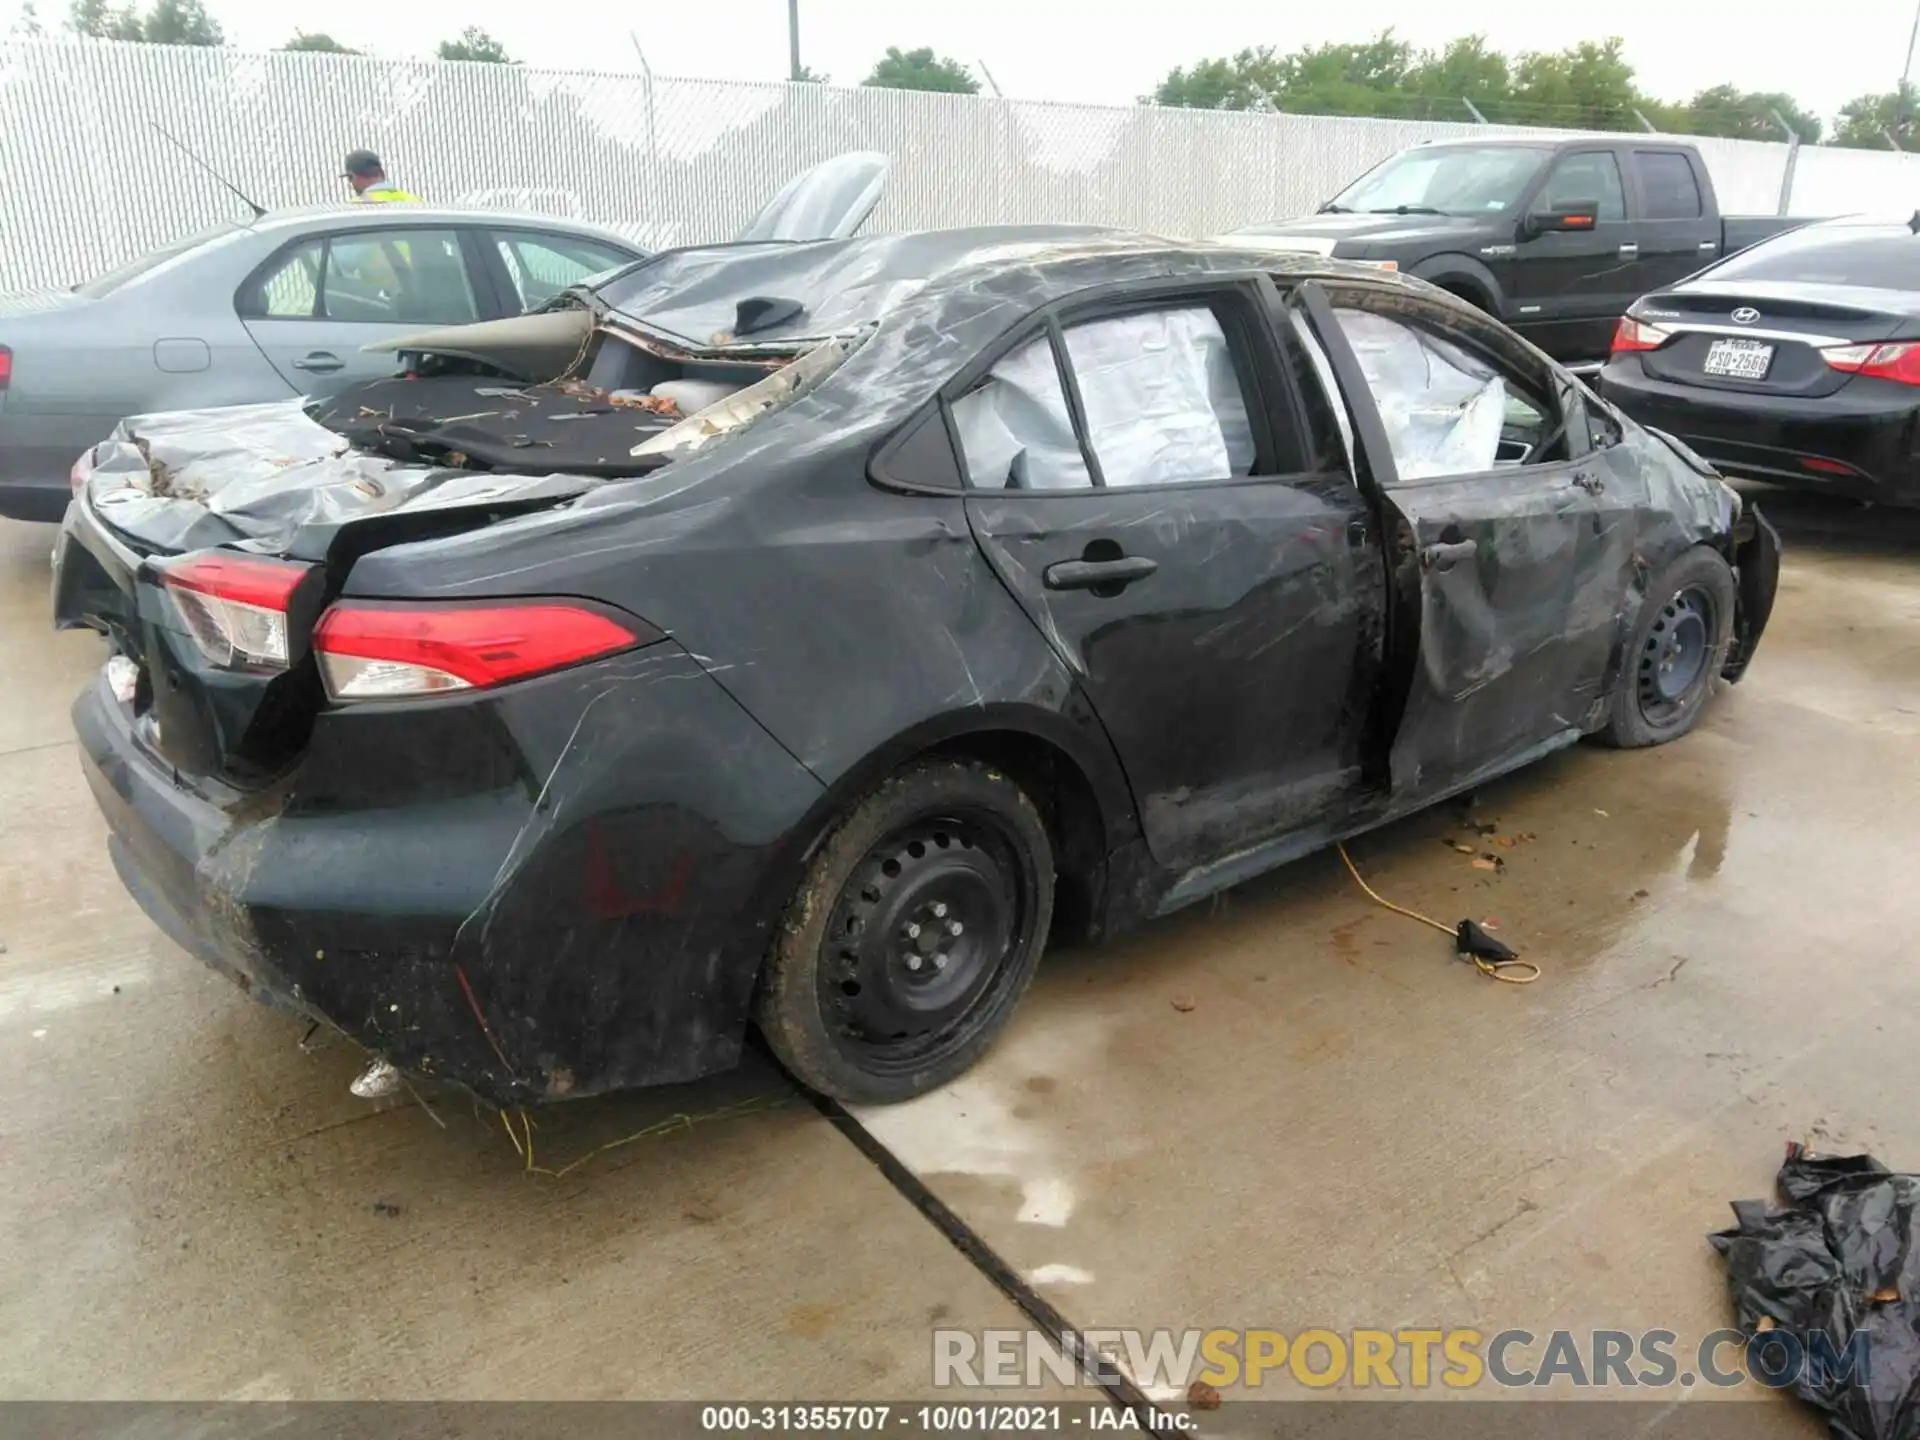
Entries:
{"x":188,"y":479}
{"x":1836,"y":1273}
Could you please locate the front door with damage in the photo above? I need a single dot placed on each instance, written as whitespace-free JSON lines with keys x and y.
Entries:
{"x":1138,"y":480}
{"x":1514,"y":538}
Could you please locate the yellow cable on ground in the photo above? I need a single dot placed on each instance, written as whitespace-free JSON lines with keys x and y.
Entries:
{"x":523,"y":1139}
{"x":1513,"y":972}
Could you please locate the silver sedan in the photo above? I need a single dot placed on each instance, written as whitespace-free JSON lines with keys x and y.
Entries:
{"x":259,"y":310}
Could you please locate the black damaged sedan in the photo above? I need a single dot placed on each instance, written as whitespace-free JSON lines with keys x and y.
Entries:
{"x":801,"y":635}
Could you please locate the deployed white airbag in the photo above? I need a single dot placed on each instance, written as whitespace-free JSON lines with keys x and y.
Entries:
{"x":1442,"y":408}
{"x":1163,"y":406}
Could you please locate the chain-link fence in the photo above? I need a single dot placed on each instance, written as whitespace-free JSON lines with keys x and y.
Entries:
{"x":87,"y":181}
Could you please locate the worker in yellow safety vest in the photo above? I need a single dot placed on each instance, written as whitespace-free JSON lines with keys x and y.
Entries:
{"x":369,"y":179}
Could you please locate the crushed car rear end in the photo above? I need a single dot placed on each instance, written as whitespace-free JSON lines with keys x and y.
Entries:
{"x":506,"y":838}
{"x":476,"y":837}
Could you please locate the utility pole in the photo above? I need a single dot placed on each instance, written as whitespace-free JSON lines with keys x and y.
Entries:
{"x":1473,"y":110}
{"x":793,"y":40}
{"x":1645,"y":124}
{"x":992,"y":83}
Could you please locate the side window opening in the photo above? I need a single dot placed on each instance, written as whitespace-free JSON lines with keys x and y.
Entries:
{"x":1592,"y":176}
{"x":413,"y":277}
{"x":1446,"y":409}
{"x":540,"y":267}
{"x":1016,"y":429}
{"x":407,"y":277}
{"x":1163,"y":398}
{"x":1160,"y":390}
{"x":1668,"y":185}
{"x":290,"y":290}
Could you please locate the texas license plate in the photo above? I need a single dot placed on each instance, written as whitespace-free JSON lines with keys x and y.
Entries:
{"x":1739,"y":359}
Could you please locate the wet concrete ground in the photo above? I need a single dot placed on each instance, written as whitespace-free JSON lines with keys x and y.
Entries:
{"x":1337,"y":1125}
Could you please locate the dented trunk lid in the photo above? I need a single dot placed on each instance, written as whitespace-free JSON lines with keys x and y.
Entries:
{"x":267,"y":485}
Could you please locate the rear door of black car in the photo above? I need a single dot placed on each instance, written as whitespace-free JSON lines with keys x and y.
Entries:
{"x":1678,"y":231}
{"x":1510,"y":534}
{"x":1143,"y":478}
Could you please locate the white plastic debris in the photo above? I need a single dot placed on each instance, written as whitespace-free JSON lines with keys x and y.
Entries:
{"x":123,"y":678}
{"x":378,"y":1080}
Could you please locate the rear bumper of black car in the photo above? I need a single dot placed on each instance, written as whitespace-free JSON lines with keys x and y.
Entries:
{"x":538,"y":893}
{"x":1859,"y":442}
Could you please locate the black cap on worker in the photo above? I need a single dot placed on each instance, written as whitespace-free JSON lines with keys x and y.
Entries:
{"x":363,"y":163}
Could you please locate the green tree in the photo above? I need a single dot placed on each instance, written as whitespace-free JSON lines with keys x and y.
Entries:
{"x":1867,"y":120}
{"x":1588,"y":86}
{"x":921,"y":70}
{"x":810,"y":76}
{"x":27,"y":24}
{"x":1243,"y":81}
{"x":475,"y":44}
{"x":318,"y":44}
{"x":1367,"y":78}
{"x":1741,"y":115}
{"x":1464,"y":71}
{"x":169,"y":22}
{"x":97,"y":20}
{"x":181,"y":22}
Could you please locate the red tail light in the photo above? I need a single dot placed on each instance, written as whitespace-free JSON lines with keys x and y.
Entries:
{"x":235,"y":605}
{"x":1899,"y":363}
{"x":1633,"y":335}
{"x":1827,"y":467}
{"x":6,"y":367}
{"x":388,"y":650}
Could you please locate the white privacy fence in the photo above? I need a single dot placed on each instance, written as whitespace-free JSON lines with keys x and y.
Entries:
{"x":87,"y":182}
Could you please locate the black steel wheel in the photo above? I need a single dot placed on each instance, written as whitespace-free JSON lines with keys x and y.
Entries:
{"x":916,"y":931}
{"x":1673,"y":660}
{"x":1678,"y":646}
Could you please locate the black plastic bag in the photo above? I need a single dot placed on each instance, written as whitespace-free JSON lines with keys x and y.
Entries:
{"x":1837,"y":1274}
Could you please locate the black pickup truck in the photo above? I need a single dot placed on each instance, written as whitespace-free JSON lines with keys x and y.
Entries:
{"x":1556,"y":237}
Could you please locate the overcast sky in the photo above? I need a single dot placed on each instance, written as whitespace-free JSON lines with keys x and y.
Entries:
{"x":1100,"y":51}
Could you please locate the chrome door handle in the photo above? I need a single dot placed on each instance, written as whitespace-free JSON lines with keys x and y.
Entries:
{"x":1629,"y":249}
{"x":320,"y":363}
{"x":1709,"y":245}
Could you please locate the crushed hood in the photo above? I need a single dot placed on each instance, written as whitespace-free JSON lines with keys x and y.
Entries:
{"x":271,"y":479}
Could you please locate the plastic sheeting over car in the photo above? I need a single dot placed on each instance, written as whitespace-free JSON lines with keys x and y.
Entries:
{"x":1163,"y":406}
{"x":1835,"y":1278}
{"x":260,"y":473}
{"x":1442,"y":408}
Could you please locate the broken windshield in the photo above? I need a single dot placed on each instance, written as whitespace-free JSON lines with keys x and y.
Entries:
{"x":1450,"y":180}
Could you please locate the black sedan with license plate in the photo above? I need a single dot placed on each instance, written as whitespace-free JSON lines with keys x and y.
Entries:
{"x":802,"y":635}
{"x":1796,"y":362}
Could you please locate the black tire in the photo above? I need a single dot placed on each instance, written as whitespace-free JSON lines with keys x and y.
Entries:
{"x":913,"y":935}
{"x":1675,"y":654}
